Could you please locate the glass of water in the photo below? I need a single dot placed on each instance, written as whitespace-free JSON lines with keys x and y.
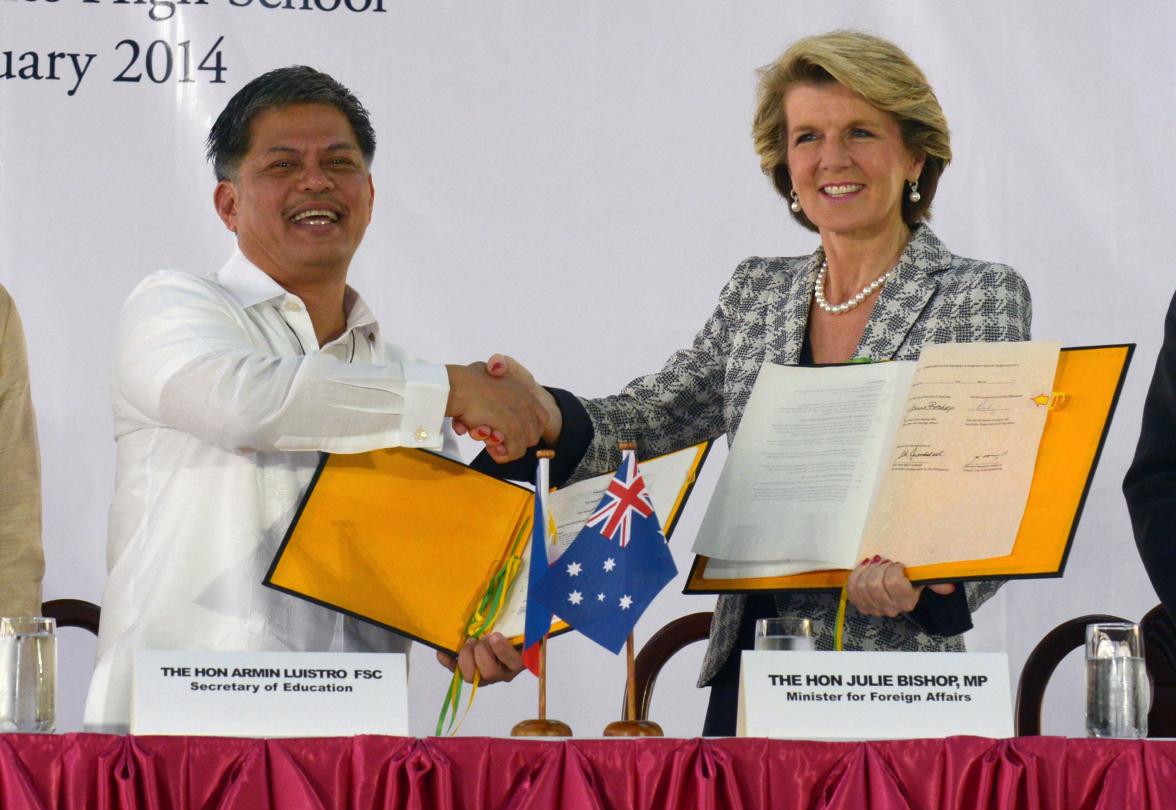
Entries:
{"x":1118,"y":696}
{"x":784,"y":633}
{"x":28,"y":674}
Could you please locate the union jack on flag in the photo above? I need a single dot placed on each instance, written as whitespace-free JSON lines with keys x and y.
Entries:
{"x":625,"y":495}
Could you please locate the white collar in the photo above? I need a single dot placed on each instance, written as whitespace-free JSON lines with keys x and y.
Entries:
{"x":359,"y":317}
{"x":251,"y":285}
{"x":248,"y":283}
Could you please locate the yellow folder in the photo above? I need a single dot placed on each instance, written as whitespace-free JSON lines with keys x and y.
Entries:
{"x":409,"y":540}
{"x":1086,"y":390}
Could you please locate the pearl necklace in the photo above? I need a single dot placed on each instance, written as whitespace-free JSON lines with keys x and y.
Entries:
{"x":837,"y":309}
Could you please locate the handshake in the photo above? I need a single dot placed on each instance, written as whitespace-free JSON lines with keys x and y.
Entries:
{"x":498,"y":402}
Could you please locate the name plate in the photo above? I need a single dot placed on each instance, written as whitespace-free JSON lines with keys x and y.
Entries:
{"x":874,"y":695}
{"x":269,"y":694}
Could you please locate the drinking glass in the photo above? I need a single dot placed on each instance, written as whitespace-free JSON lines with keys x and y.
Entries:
{"x":28,"y":674}
{"x":1118,"y":696}
{"x":784,"y":633}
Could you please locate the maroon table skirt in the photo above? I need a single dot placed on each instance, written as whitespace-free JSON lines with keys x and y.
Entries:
{"x":99,"y":772}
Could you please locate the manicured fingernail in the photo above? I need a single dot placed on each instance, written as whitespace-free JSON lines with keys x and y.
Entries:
{"x":495,"y":637}
{"x":877,"y":558}
{"x":866,"y":560}
{"x":496,"y":366}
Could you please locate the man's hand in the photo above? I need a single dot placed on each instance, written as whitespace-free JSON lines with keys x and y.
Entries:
{"x":502,"y":366}
{"x":880,"y":587}
{"x":493,"y":657}
{"x":510,"y":417}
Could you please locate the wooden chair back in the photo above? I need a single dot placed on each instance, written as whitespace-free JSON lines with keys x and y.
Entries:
{"x":654,"y":654}
{"x":73,"y":613}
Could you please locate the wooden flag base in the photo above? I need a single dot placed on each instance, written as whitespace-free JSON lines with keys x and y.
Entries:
{"x":541,"y":728}
{"x":633,"y":728}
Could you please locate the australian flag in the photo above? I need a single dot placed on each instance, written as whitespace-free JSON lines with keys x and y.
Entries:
{"x":618,"y":562}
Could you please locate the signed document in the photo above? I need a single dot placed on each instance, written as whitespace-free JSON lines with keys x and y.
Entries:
{"x":918,"y":462}
{"x":957,"y":477}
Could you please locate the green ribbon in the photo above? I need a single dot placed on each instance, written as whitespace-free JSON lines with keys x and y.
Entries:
{"x":480,"y":623}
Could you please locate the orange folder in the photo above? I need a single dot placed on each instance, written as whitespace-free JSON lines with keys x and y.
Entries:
{"x":1086,"y":391}
{"x":409,"y":540}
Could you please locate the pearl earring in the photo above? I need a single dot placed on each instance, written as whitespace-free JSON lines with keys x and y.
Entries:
{"x":795,"y":204}
{"x":914,"y":196}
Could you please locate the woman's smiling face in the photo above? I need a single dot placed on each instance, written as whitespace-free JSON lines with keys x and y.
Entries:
{"x":848,"y":161}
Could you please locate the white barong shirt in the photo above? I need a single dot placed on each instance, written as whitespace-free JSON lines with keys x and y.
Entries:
{"x":222,"y":401}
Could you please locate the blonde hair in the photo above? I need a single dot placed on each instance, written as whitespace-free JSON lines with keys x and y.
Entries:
{"x":878,"y":71}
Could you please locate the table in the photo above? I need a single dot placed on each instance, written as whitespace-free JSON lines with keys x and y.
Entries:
{"x":101,"y":772}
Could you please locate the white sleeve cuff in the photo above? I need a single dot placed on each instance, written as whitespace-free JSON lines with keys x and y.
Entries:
{"x":426,"y":392}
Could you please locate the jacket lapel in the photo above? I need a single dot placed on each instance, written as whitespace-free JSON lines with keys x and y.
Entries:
{"x":786,"y":324}
{"x":905,"y":296}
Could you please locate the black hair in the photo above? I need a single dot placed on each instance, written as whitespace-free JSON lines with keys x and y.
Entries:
{"x":228,"y":140}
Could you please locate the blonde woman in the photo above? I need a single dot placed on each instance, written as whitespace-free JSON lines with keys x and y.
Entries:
{"x":853,"y":138}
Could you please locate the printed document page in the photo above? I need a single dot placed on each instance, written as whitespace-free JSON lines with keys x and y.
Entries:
{"x":799,"y":480}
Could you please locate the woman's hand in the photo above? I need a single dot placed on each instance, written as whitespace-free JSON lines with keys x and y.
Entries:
{"x":880,"y":587}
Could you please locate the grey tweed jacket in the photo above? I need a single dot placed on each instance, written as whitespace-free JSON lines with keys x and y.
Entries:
{"x":761,"y":317}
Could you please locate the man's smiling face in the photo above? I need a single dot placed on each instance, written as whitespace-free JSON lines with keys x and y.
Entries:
{"x":302,"y":195}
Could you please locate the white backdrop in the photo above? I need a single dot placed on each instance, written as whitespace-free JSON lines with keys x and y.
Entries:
{"x":573,"y":184}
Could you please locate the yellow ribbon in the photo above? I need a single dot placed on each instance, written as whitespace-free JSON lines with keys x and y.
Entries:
{"x":839,"y":626}
{"x":481,"y":621}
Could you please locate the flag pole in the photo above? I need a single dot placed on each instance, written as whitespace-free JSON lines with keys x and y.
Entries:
{"x":630,"y":726}
{"x":541,"y":726}
{"x":631,"y":677}
{"x":543,"y":679}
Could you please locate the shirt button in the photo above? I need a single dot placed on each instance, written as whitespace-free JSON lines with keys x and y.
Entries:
{"x":292,"y":305}
{"x":422,"y":434}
